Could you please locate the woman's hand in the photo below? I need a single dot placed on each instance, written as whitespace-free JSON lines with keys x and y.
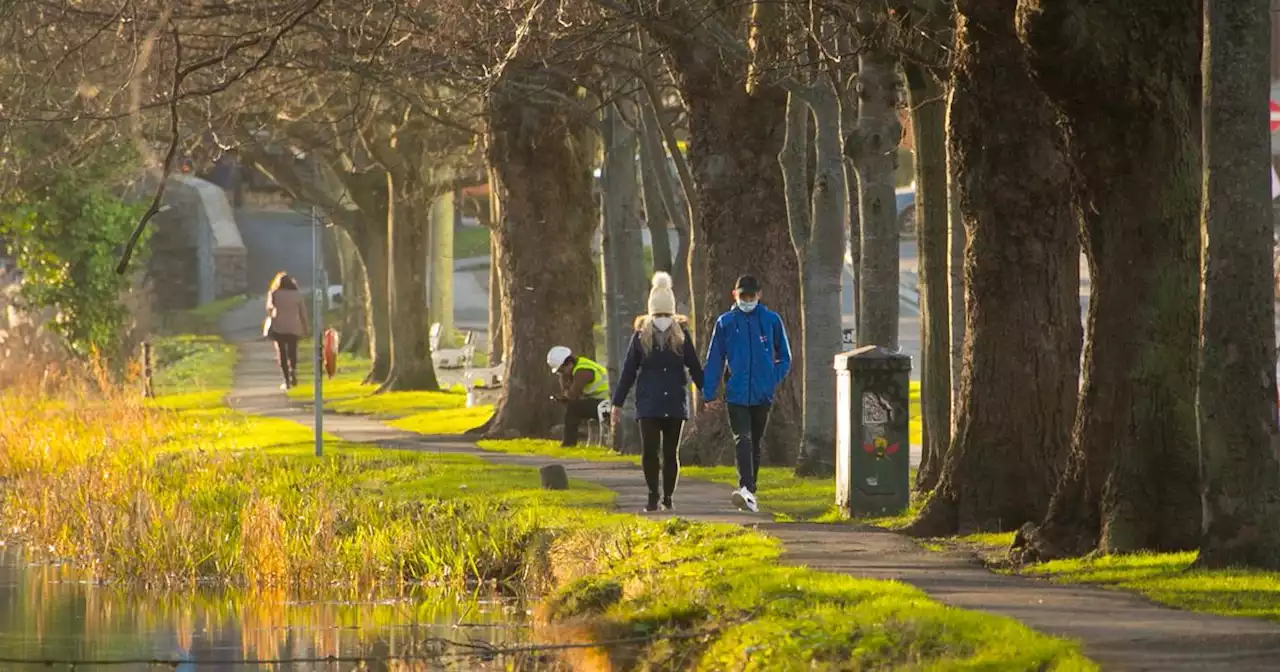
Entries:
{"x":617,"y":415}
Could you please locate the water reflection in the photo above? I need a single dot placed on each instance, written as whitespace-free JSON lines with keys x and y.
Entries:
{"x":51,"y":612}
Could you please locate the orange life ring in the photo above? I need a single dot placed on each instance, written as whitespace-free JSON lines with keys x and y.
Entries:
{"x":330,"y":352}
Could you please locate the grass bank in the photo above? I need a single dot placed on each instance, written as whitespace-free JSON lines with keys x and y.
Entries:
{"x":439,"y":413}
{"x":184,"y":491}
{"x":1166,"y":578}
{"x":203,"y":321}
{"x":724,"y":584}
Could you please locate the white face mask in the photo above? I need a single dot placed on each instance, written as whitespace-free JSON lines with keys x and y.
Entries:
{"x":747,"y":306}
{"x":662,"y":323}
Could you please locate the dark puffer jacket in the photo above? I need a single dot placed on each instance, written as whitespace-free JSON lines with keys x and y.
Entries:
{"x":661,"y":377}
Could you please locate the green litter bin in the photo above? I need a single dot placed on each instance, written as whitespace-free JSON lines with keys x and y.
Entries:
{"x":873,"y":444}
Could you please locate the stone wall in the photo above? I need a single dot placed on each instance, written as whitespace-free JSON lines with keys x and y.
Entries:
{"x":197,"y":253}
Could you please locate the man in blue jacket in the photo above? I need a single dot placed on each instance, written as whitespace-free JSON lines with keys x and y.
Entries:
{"x":752,"y":341}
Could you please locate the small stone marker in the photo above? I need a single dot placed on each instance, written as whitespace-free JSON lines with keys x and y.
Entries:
{"x":554,"y":477}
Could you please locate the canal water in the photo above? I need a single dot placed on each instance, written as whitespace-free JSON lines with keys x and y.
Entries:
{"x":52,"y":613}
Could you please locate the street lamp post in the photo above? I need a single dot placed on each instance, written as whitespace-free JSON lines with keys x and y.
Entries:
{"x":318,"y":287}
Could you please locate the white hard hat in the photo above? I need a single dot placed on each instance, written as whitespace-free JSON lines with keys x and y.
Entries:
{"x":557,"y":356}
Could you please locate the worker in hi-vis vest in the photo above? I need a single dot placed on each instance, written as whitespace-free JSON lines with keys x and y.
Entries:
{"x":584,"y":384}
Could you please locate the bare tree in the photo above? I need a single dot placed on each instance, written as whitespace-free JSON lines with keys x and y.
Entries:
{"x":1018,"y":384}
{"x":926,"y":67}
{"x":873,"y":147}
{"x":1238,"y":432}
{"x":1132,"y":479}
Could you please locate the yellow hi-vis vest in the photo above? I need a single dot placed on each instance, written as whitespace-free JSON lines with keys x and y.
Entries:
{"x":599,"y":386}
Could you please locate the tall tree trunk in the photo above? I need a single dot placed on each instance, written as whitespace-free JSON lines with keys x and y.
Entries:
{"x":440,"y":307}
{"x":1237,"y":396}
{"x":497,"y":329}
{"x":355,"y":291}
{"x":1018,"y":385}
{"x":660,"y":189}
{"x":956,"y":242}
{"x":497,"y":333}
{"x":822,"y":267}
{"x":1132,"y":481}
{"x":411,"y":366}
{"x":540,"y":158}
{"x":928,"y":124}
{"x":817,"y":230}
{"x":372,"y":242}
{"x":872,"y":146}
{"x":655,"y":210}
{"x":741,"y":228}
{"x":623,"y":242}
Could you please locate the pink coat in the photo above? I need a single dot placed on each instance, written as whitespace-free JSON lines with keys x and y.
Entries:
{"x":288,"y":312}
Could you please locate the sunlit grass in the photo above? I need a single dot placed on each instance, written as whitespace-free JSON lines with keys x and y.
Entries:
{"x":204,"y":320}
{"x":677,"y":576}
{"x":450,"y":422}
{"x":780,"y":490}
{"x":189,"y":364}
{"x":1169,"y":579}
{"x":346,"y":392}
{"x":186,"y":491}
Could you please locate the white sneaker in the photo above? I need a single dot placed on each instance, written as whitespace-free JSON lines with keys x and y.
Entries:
{"x":743,"y":499}
{"x":752,"y":505}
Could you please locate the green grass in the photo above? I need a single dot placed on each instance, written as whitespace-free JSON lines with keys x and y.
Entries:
{"x":1169,"y":579}
{"x":347,"y":393}
{"x":676,"y":576}
{"x":201,"y":321}
{"x":185,"y":492}
{"x":470,"y":241}
{"x":780,"y":490}
{"x":187,"y":364}
{"x":453,"y":421}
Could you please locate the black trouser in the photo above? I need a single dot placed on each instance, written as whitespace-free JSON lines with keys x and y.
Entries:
{"x":287,"y":356}
{"x":748,"y":424}
{"x":661,"y":434}
{"x":575,"y":412}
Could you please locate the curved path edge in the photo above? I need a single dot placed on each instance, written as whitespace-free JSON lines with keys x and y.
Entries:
{"x":1119,"y":630}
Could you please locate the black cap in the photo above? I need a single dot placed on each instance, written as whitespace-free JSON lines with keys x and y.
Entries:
{"x":747,"y":284}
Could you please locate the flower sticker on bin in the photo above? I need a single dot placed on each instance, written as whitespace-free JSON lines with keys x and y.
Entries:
{"x":880,"y":447}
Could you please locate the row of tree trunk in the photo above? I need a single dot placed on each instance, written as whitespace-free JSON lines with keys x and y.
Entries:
{"x":1166,"y":439}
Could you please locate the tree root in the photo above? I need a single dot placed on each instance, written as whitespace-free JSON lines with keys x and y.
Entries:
{"x":940,"y":517}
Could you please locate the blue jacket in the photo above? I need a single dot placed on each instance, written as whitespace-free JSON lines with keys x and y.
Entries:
{"x":660,"y":379}
{"x":755,"y":347}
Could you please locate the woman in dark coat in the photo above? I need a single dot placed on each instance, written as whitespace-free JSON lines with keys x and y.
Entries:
{"x":660,"y":364}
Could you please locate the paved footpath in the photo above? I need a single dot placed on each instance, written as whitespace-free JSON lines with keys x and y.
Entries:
{"x":1119,"y":630}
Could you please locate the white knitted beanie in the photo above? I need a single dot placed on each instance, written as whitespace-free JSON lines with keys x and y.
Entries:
{"x":661,"y":299}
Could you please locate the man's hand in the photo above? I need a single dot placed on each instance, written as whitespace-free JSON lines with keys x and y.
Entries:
{"x":617,"y":415}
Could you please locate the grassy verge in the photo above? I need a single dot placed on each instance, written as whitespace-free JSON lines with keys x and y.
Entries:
{"x":190,"y":492}
{"x":1165,"y":578}
{"x":442,"y":412}
{"x":724,"y":581}
{"x":781,"y":492}
{"x":185,"y":491}
{"x":470,"y":241}
{"x":201,"y":321}
{"x":1168,"y":578}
